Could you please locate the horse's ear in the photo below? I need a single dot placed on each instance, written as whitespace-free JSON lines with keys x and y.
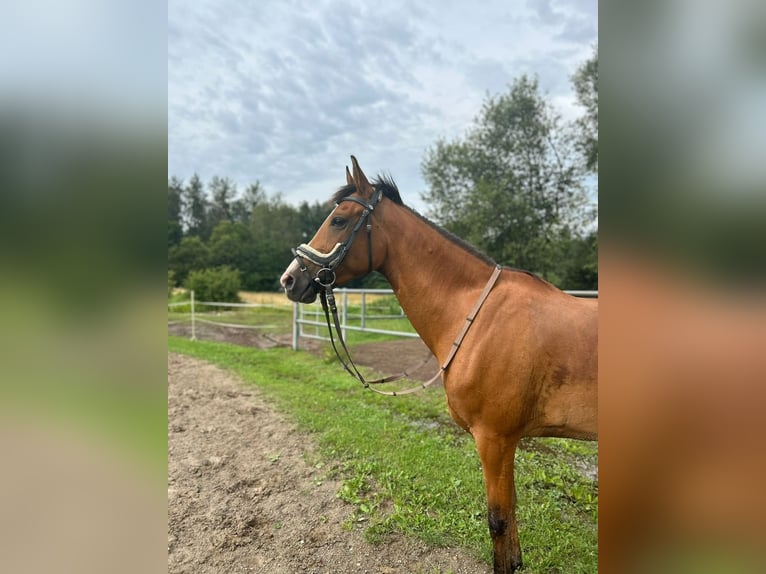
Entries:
{"x":360,"y":180}
{"x":349,"y":179}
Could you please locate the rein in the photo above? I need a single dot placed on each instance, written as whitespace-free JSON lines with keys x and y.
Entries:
{"x":329,"y":307}
{"x":324,"y":280}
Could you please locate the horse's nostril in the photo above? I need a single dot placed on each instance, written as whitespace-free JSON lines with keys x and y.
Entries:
{"x":286,"y":280}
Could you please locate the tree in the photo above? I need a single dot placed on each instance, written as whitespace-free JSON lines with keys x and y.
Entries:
{"x":223,"y":192}
{"x":196,"y":209}
{"x":252,"y":234}
{"x":190,"y":254}
{"x":220,"y":284}
{"x":585,"y":82}
{"x":231,"y":244}
{"x":175,"y":211}
{"x":513,"y":185}
{"x":171,"y":283}
{"x":243,"y":207}
{"x":310,"y":218}
{"x":582,"y":272}
{"x":276,"y":229}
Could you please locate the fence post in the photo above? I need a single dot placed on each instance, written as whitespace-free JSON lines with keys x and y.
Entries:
{"x":364,"y":309}
{"x":296,"y":326}
{"x":194,"y":333}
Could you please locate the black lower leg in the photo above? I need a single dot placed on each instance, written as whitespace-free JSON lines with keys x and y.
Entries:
{"x":507,"y":553}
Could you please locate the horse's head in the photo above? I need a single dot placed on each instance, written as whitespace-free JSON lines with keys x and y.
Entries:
{"x":343,"y":248}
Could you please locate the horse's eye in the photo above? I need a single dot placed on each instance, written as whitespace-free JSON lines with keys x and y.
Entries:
{"x":338,"y":222}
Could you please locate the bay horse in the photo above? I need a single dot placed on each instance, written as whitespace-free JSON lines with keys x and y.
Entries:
{"x":526,"y":367}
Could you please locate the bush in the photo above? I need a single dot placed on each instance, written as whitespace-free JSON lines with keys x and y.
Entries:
{"x":220,"y":284}
{"x":171,"y":282}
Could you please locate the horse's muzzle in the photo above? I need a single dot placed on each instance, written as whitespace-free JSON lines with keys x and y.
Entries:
{"x":298,"y":285}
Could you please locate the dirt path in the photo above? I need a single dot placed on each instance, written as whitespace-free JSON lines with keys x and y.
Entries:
{"x":243,"y":498}
{"x":385,"y":357}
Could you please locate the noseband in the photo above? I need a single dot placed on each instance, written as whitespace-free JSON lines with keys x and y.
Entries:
{"x":329,"y":262}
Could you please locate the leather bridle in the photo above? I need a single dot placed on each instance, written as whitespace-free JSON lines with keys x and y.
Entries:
{"x":324,"y":281}
{"x":329,"y":262}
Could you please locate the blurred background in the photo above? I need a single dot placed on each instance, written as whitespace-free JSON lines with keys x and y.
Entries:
{"x":681,"y":258}
{"x":82,"y":348}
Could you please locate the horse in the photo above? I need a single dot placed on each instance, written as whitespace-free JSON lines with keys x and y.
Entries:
{"x":524,"y":363}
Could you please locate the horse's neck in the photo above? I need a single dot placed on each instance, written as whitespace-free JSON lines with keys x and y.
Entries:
{"x":435,"y":280}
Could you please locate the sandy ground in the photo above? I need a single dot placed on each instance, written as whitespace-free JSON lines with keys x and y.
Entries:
{"x":245,"y":493}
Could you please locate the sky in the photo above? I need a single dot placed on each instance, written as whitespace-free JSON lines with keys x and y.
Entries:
{"x":283,"y":92}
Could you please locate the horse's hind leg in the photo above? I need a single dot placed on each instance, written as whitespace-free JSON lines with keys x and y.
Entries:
{"x":496,"y":455}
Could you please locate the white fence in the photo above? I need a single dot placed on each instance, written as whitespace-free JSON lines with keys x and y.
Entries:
{"x":309,"y":320}
{"x":359,"y":310}
{"x":198,"y":316}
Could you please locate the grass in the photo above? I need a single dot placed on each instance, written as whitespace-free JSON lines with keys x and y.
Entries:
{"x":406,"y":468}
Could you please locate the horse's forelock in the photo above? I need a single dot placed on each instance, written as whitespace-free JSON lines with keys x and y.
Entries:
{"x":385,"y":183}
{"x":344,"y":191}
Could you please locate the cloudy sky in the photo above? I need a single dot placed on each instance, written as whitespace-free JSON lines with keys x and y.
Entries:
{"x":282,"y":92}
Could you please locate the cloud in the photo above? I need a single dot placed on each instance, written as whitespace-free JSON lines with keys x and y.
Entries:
{"x":284,"y":92}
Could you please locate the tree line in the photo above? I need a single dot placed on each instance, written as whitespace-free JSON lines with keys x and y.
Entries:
{"x":519,"y":185}
{"x":213,"y":225}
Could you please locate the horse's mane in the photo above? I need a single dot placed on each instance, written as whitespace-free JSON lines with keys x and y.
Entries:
{"x":386,"y":184}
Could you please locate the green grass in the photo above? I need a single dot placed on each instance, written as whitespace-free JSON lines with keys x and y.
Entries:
{"x":405,"y":467}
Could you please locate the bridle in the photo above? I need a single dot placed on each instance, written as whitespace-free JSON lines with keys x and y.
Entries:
{"x":329,"y":262}
{"x":324,"y":281}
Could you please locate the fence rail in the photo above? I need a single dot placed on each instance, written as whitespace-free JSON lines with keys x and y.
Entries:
{"x":197,"y":316}
{"x":318,"y":323}
{"x":357,"y":310}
